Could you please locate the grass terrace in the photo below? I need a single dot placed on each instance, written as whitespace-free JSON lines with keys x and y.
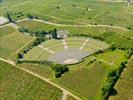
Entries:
{"x":56,"y":50}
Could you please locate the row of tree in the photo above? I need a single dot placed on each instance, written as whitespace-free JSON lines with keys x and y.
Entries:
{"x":113,"y":75}
{"x":40,"y":33}
{"x":36,"y":42}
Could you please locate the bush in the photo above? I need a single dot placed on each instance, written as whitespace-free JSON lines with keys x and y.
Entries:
{"x":59,"y":70}
{"x":30,"y":16}
{"x":57,"y":74}
{"x":113,"y":75}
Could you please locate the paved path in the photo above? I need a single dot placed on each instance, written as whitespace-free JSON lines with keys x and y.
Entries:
{"x":64,"y":44}
{"x":84,"y":44}
{"x":42,"y":78}
{"x":46,"y":49}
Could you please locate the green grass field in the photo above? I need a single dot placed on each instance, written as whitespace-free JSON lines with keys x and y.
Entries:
{"x":85,"y":79}
{"x":40,"y":53}
{"x":124,"y":87}
{"x":71,"y":11}
{"x":19,"y":85}
{"x":11,"y":42}
{"x":120,"y":37}
{"x":112,"y":58}
{"x":111,"y":25}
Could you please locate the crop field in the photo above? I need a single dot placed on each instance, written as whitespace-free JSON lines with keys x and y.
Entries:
{"x":84,"y":76}
{"x":72,"y":12}
{"x":41,"y":70}
{"x":35,"y":25}
{"x":16,"y":84}
{"x":11,"y":42}
{"x":6,"y":30}
{"x":75,"y":48}
{"x":124,"y":87}
{"x":84,"y":80}
{"x":66,"y":49}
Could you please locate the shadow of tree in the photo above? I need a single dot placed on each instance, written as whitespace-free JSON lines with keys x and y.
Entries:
{"x":113,"y":92}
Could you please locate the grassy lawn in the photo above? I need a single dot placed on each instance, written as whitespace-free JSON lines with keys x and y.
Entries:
{"x":19,"y":85}
{"x":113,"y":58}
{"x":38,"y":53}
{"x":35,"y":54}
{"x":10,"y":43}
{"x":124,"y":87}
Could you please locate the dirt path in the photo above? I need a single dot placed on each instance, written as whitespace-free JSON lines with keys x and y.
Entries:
{"x":62,"y":25}
{"x":86,"y":25}
{"x":64,"y":96}
{"x":65,"y":92}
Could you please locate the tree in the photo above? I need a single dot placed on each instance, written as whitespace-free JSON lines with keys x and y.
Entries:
{"x":30,"y":16}
{"x":9,"y":17}
{"x":54,"y":33}
{"x":59,"y":69}
{"x":20,"y":56}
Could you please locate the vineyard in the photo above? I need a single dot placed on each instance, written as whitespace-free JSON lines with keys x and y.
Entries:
{"x":16,"y":84}
{"x":66,"y":49}
{"x":11,"y":42}
{"x":123,"y":88}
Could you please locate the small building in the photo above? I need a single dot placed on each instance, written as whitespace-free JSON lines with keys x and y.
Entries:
{"x":48,"y":36}
{"x":62,"y":34}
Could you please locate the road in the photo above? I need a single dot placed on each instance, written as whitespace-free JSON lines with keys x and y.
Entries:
{"x":65,"y":92}
{"x":63,"y":25}
{"x":67,"y":25}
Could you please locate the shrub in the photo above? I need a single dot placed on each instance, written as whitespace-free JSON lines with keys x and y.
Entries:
{"x":57,"y":74}
{"x":30,"y":16}
{"x":113,"y":75}
{"x":59,"y":69}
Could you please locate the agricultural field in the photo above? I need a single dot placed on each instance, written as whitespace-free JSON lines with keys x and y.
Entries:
{"x":16,"y":84}
{"x":123,"y":89}
{"x":66,"y":49}
{"x":41,"y":70}
{"x":11,"y":41}
{"x":6,"y":30}
{"x":71,"y":11}
{"x":87,"y":76}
